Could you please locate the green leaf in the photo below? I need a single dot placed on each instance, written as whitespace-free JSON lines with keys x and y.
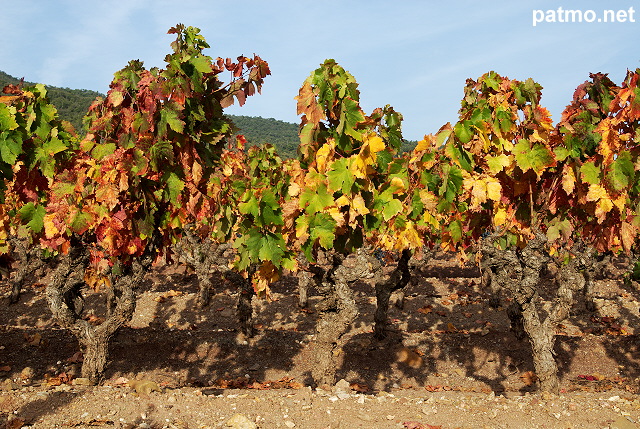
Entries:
{"x":322,"y":228}
{"x":202,"y":63}
{"x":621,"y":172}
{"x":392,"y":208}
{"x":350,"y":116}
{"x":10,"y":147}
{"x":48,"y":112}
{"x":174,"y":187}
{"x":170,"y":117}
{"x":272,"y":248}
{"x":54,"y":146}
{"x":590,"y":173}
{"x":250,"y":206}
{"x":463,"y":131}
{"x":497,"y":163}
{"x":317,"y":200}
{"x":455,"y":229}
{"x":561,"y":153}
{"x":102,"y":150}
{"x":536,"y":158}
{"x":80,"y":223}
{"x":33,"y":215}
{"x":7,"y":118}
{"x":340,"y":176}
{"x":559,"y":229}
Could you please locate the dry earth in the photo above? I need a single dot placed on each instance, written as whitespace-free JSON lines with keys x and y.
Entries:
{"x":175,"y":366}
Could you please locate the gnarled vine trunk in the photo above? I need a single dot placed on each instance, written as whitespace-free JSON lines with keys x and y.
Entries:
{"x":205,"y":257}
{"x":518,"y":272}
{"x":30,"y":259}
{"x":338,"y":313}
{"x":244,"y":308}
{"x":387,"y":285}
{"x":64,"y":294}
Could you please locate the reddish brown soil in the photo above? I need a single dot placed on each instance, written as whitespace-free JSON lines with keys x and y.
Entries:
{"x":471,"y":370}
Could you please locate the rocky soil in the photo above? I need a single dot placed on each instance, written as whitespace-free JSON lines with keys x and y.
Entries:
{"x":450,"y":361}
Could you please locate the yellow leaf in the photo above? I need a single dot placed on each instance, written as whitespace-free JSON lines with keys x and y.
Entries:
{"x":430,"y":220}
{"x":322,"y":155}
{"x":568,"y":179}
{"x":367,"y":155}
{"x":610,"y":143}
{"x":428,"y":198}
{"x":376,"y":144}
{"x":620,"y":202}
{"x":596,"y":192}
{"x":337,"y":215}
{"x":50,"y":230}
{"x":359,"y":167}
{"x":603,"y":206}
{"x":478,"y":194}
{"x":266,"y":274}
{"x":342,"y":201}
{"x":359,"y":205}
{"x":500,"y":216}
{"x":425,"y":144}
{"x":398,"y":184}
{"x":536,"y":137}
{"x":409,"y":238}
{"x":294,"y":189}
{"x":506,"y":144}
{"x":494,"y":189}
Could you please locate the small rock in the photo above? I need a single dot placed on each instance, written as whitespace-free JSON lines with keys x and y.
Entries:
{"x":240,"y":421}
{"x":144,"y":387}
{"x":623,"y":423}
{"x":81,"y":382}
{"x":342,"y":386}
{"x":27,"y":373}
{"x":8,"y":384}
{"x":289,"y":424}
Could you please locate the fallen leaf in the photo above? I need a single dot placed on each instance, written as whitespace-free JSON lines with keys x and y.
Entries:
{"x":120,"y":381}
{"x":5,"y":368}
{"x":359,"y":387}
{"x":425,"y":310}
{"x":77,"y":357}
{"x":529,"y":378}
{"x":170,"y":294}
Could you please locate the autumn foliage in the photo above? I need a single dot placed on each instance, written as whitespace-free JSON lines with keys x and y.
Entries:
{"x":160,"y":159}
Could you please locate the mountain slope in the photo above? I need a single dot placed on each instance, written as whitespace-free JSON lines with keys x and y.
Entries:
{"x":72,"y":104}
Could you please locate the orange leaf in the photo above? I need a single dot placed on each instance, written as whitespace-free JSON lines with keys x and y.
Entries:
{"x":529,"y":378}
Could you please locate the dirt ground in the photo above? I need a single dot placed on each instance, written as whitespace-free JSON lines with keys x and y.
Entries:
{"x":450,"y":361}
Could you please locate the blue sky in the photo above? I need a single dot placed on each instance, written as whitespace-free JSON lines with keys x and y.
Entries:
{"x":412,"y":54}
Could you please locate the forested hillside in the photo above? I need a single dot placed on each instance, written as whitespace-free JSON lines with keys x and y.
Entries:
{"x":257,"y":130}
{"x":72,"y":104}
